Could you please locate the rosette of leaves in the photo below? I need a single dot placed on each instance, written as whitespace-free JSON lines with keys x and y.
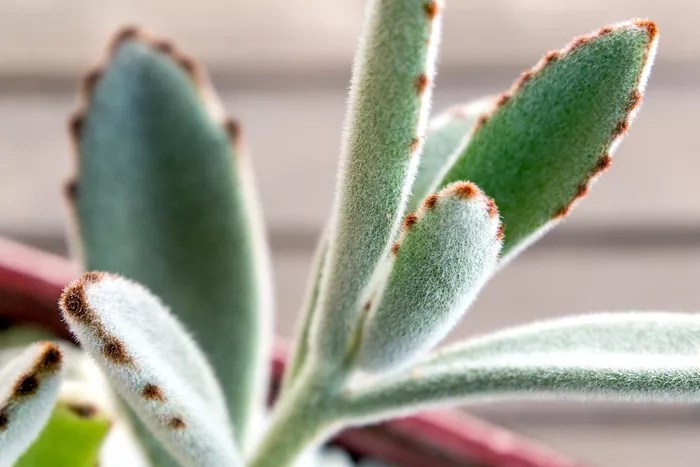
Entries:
{"x":424,"y":214}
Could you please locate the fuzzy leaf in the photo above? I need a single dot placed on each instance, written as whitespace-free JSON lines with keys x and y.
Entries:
{"x":79,"y":422}
{"x":163,"y":198}
{"x":555,"y":130}
{"x":72,"y":437}
{"x":29,"y":384}
{"x":626,"y":356}
{"x":447,"y":133}
{"x":388,"y":105}
{"x":672,"y":334}
{"x":154,"y":364}
{"x":447,"y":251}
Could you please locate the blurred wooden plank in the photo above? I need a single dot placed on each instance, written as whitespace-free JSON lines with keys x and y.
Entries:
{"x":548,"y":283}
{"x":294,"y":136}
{"x":60,"y":36}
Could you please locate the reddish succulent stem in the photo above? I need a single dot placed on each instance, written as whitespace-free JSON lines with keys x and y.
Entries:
{"x":30,"y":284}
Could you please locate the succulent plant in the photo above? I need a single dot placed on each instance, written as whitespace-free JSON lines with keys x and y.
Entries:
{"x":424,"y":214}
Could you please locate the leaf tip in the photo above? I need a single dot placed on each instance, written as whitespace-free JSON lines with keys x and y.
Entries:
{"x":649,"y":26}
{"x":432,"y":9}
{"x":464,"y":190}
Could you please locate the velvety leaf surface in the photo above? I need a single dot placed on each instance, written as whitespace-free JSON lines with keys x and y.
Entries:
{"x":154,"y":364}
{"x":555,"y":130}
{"x":163,"y":197}
{"x":30,"y":378}
{"x":388,"y":107}
{"x":622,"y":356}
{"x":446,"y":253}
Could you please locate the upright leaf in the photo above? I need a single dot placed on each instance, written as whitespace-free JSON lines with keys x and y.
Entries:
{"x":555,"y":130}
{"x":388,"y":106}
{"x":163,"y":197}
{"x":155,"y":366}
{"x":448,"y":250}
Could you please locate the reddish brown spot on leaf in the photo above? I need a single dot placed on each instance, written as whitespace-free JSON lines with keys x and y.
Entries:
{"x":579,"y":42}
{"x":71,"y":189}
{"x":481,"y":121}
{"x":164,"y":46}
{"x":503,"y":99}
{"x":465,"y":190}
{"x":500,"y":232}
{"x":83,"y":410}
{"x":26,"y":386}
{"x":92,"y":277}
{"x":90,"y":81}
{"x":368,"y":305}
{"x":233,"y":128}
{"x":621,"y":128}
{"x":4,"y":419}
{"x":605,"y":30}
{"x":582,"y":190}
{"x":153,"y":392}
{"x":188,"y":65}
{"x":114,"y":350}
{"x":51,"y":358}
{"x":430,"y":201}
{"x":603,"y":164}
{"x":431,"y":9}
{"x":650,"y":27}
{"x":422,"y":83}
{"x":562,"y":212}
{"x":395,"y":248}
{"x":410,"y":221}
{"x":491,"y":207}
{"x":75,"y":126}
{"x":127,"y":32}
{"x":551,"y":56}
{"x":415,"y":144}
{"x":177,"y":423}
{"x":74,"y":303}
{"x":524,"y":78}
{"x":635,"y":99}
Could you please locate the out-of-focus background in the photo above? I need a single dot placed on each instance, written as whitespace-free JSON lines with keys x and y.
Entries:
{"x":282,"y":66}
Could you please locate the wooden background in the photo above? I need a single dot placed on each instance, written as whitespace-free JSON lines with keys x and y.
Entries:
{"x":282,"y":66}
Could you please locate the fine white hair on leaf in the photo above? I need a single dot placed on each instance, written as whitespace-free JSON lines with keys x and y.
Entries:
{"x":390,"y":95}
{"x":30,"y":379}
{"x":650,"y":356}
{"x":446,"y":252}
{"x":154,"y":364}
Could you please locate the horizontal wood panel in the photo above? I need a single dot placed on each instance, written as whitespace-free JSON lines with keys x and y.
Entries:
{"x":294,"y":136}
{"x":60,"y":36}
